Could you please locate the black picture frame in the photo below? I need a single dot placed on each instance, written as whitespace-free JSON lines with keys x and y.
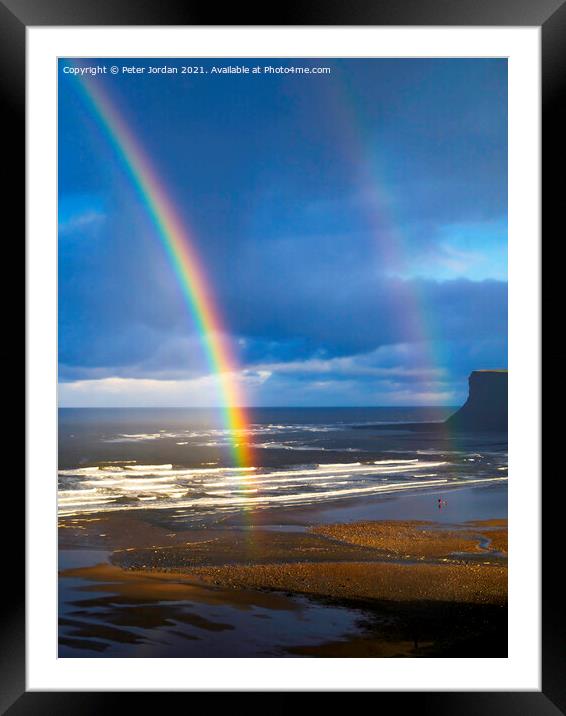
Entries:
{"x":550,"y":15}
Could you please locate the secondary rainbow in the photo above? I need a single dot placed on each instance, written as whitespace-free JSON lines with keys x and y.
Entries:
{"x":184,"y":260}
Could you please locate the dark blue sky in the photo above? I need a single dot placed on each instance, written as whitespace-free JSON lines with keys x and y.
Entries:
{"x":353,"y":225}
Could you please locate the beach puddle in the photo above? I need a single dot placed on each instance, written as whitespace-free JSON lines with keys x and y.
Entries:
{"x":110,"y":612}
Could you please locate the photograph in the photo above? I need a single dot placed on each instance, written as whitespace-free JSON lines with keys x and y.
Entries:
{"x":282,"y":357}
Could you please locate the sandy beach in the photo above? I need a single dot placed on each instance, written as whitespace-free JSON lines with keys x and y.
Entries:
{"x":422,"y":587}
{"x":386,"y":560}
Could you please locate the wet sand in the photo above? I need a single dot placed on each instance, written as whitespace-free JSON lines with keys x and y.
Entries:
{"x":155,"y":613}
{"x":359,"y":581}
{"x":422,"y":539}
{"x":108,"y":612}
{"x":385,"y":560}
{"x":424,"y":587}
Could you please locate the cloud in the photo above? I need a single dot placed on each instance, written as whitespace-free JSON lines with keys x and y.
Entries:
{"x":271,"y":326}
{"x":362,"y":365}
{"x":80,"y":222}
{"x":403,"y":374}
{"x":165,"y":356}
{"x":476,"y":250}
{"x":80,"y":214}
{"x":327,"y":329}
{"x":204,"y":391}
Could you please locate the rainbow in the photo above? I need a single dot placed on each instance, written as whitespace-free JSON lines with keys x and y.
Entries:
{"x":184,"y":259}
{"x":412,"y":312}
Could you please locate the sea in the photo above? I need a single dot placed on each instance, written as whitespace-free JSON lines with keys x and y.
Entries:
{"x":174,"y":468}
{"x":180,"y":461}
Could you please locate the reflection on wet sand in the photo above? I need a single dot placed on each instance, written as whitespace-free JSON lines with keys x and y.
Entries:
{"x":107,"y":611}
{"x":112,"y":612}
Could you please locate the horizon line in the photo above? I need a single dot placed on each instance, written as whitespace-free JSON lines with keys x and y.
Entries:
{"x":245,"y":407}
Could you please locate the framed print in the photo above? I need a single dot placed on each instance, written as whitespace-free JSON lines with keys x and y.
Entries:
{"x":283,"y":353}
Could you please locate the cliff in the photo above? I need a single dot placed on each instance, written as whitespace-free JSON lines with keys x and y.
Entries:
{"x":486,"y":407}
